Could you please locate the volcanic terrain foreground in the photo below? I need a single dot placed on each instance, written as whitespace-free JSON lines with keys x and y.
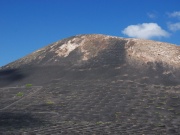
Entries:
{"x":93,"y":84}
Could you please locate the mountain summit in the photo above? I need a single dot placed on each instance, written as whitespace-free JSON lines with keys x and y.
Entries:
{"x":82,"y":48}
{"x":143,"y":60}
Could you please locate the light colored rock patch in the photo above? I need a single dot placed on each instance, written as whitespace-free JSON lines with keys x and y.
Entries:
{"x":167,"y":72}
{"x":40,"y":50}
{"x":179,"y":57}
{"x":66,"y":49}
{"x":107,"y":37}
{"x":86,"y":54}
{"x":52,"y":46}
{"x":143,"y":51}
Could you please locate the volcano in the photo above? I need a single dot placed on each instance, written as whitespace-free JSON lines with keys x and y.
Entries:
{"x":93,"y":84}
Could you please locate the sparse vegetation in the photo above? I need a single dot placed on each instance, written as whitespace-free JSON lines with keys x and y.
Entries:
{"x":99,"y":122}
{"x":170,"y":109}
{"x":28,"y":85}
{"x":146,"y":107}
{"x":175,"y":97}
{"x":49,"y":102}
{"x":117,"y":115}
{"x":20,"y":94}
{"x":162,"y":103}
{"x":162,"y":98}
{"x":177,"y":113}
{"x":158,"y":107}
{"x":161,"y":125}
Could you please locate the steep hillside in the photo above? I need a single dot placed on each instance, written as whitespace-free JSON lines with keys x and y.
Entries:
{"x":97,"y":56}
{"x":93,"y":84}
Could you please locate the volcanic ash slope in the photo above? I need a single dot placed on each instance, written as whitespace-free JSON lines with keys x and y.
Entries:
{"x":93,"y":84}
{"x":98,"y":56}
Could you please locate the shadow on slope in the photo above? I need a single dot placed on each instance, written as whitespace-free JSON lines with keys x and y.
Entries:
{"x":15,"y":121}
{"x":8,"y":76}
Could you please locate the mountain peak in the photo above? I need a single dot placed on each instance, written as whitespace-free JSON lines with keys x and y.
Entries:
{"x":85,"y":47}
{"x":138,"y":57}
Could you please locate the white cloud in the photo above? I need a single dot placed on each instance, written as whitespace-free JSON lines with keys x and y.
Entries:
{"x":174,"y":26}
{"x":145,"y":31}
{"x":174,"y":14}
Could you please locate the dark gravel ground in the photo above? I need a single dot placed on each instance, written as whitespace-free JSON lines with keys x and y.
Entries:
{"x":90,"y":107}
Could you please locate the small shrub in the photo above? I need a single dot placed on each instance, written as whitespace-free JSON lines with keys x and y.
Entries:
{"x":28,"y":85}
{"x":20,"y":94}
{"x":99,"y":122}
{"x":117,"y":114}
{"x":50,"y":102}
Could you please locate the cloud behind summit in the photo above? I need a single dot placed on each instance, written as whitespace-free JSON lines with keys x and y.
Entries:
{"x":145,"y":31}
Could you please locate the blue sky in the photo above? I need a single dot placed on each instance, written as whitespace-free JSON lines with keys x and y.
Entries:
{"x":27,"y":25}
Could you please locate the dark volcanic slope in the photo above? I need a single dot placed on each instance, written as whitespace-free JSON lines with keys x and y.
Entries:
{"x":92,"y":56}
{"x":93,"y":84}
